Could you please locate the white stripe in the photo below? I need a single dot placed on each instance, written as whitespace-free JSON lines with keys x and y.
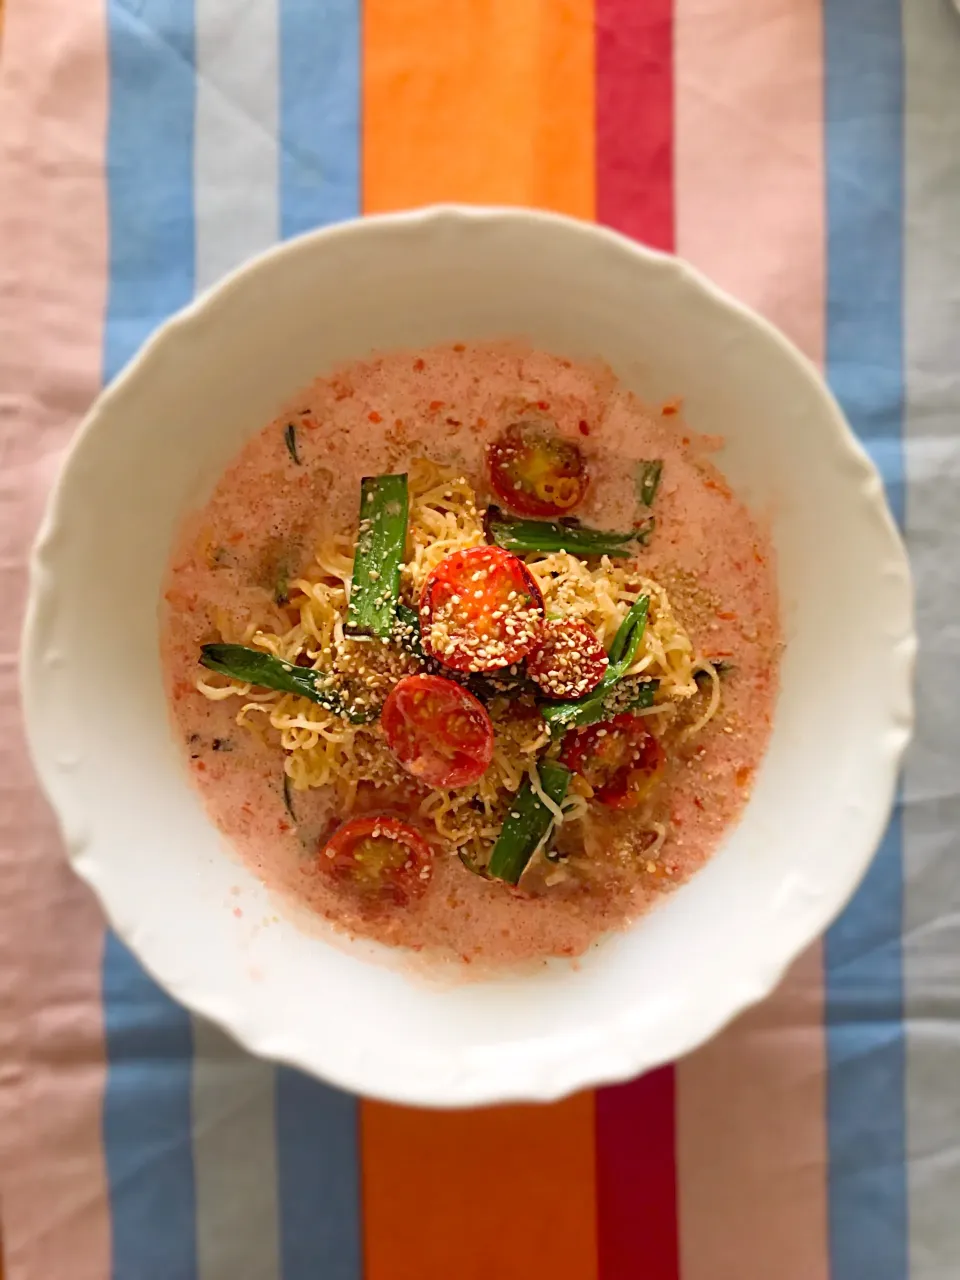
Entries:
{"x":235,"y":154}
{"x":234,"y":1154}
{"x":236,"y":209}
{"x":932,"y":787}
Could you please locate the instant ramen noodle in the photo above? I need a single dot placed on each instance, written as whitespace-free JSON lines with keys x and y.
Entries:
{"x":473,"y":652}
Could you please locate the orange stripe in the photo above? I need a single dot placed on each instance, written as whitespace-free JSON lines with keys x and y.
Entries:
{"x":480,"y":101}
{"x":491,"y":102}
{"x":506,"y":1193}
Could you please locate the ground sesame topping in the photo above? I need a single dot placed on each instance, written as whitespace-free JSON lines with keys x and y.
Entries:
{"x":569,"y":660}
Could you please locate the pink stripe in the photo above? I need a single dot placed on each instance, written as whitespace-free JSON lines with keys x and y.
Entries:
{"x":751,"y":1131}
{"x":751,"y":1142}
{"x":749,"y":155}
{"x":53,"y":228}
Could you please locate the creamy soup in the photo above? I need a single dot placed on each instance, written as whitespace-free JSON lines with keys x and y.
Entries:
{"x":472,"y":652}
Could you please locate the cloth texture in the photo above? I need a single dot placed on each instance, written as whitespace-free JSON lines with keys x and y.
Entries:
{"x":803,"y":153}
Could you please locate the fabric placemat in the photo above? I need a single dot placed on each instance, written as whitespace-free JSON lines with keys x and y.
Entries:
{"x":804,"y":154}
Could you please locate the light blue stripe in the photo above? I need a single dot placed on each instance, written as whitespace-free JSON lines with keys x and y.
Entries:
{"x":319,"y":113}
{"x":864,"y":962}
{"x":317,"y":1127}
{"x":147,"y":1117}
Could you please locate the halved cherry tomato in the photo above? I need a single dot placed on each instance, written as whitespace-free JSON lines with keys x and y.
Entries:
{"x":620,"y":758}
{"x":536,"y":472}
{"x":569,"y":661}
{"x":439,"y":732}
{"x":480,"y":609}
{"x":383,"y":858}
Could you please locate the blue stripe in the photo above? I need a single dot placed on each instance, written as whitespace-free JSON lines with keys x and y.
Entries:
{"x":319,"y":113}
{"x":319,"y":1175}
{"x":864,"y":962}
{"x":147,"y":1117}
{"x":147,"y":1124}
{"x":317,"y":1127}
{"x":149,"y":170}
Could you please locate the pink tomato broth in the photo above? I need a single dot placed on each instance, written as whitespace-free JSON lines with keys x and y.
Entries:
{"x":448,"y":403}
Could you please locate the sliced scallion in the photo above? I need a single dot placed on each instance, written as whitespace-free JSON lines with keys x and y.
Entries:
{"x":290,"y":438}
{"x":594,"y":706}
{"x":521,"y":536}
{"x":253,"y":666}
{"x":603,"y":703}
{"x":382,"y":536}
{"x":528,"y":823}
{"x":406,"y":631}
{"x":629,"y":634}
{"x":288,"y":796}
{"x":648,"y":480}
{"x":645,"y":531}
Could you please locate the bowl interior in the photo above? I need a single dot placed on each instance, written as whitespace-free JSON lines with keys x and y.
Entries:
{"x":154,"y":446}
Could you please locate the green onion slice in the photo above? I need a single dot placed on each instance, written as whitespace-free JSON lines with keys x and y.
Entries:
{"x":528,"y":823}
{"x":648,"y":480}
{"x":520,"y":536}
{"x":253,"y":666}
{"x":381,"y":539}
{"x":597,"y":704}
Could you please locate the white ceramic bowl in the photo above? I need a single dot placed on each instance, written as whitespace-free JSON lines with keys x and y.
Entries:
{"x":153,"y":446}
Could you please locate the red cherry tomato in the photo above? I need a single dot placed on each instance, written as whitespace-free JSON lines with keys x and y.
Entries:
{"x":480,"y":609}
{"x":438,"y":731}
{"x":384,"y":859}
{"x":620,"y":758}
{"x":536,"y":472}
{"x":569,"y":661}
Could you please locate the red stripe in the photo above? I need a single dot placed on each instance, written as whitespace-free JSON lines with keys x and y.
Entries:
{"x":635,"y":1123}
{"x":635,"y":118}
{"x":637,"y":1180}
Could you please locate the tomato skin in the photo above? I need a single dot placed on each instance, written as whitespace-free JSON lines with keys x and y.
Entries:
{"x":620,"y":759}
{"x":468,"y":620}
{"x":569,"y":661}
{"x":536,"y":472}
{"x":383,"y":859}
{"x":440,"y":733}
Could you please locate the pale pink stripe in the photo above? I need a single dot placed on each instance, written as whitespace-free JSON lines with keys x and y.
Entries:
{"x":751,"y":1124}
{"x":53,"y":82}
{"x":749,"y":161}
{"x":751,"y":1142}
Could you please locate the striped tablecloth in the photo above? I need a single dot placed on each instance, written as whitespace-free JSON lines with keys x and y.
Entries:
{"x":804,"y":153}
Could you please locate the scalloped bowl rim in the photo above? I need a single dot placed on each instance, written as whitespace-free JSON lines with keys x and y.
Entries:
{"x":614,"y":1048}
